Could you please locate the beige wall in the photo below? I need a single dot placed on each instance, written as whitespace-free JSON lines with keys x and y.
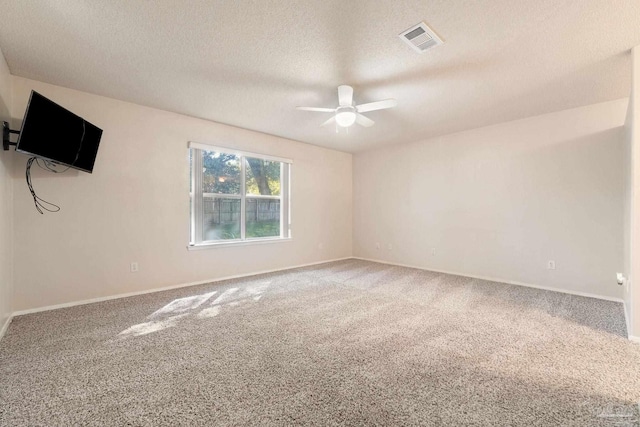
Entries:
{"x":6,"y":206}
{"x":632,"y":200}
{"x":501,"y":201}
{"x":628,"y":208}
{"x":135,"y":206}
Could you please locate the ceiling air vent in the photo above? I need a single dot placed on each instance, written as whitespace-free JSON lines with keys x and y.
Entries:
{"x":420,"y":37}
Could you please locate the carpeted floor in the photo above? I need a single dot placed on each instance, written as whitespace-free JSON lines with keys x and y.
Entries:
{"x":344,"y":343}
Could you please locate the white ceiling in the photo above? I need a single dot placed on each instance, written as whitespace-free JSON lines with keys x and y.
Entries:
{"x":249,"y":63}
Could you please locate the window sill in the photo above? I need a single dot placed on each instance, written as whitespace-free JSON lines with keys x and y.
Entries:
{"x":201,"y":246}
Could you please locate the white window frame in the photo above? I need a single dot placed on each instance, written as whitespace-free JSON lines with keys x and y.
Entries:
{"x":196,"y":220}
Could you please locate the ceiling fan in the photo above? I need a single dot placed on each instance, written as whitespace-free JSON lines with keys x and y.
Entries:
{"x":346,"y":114}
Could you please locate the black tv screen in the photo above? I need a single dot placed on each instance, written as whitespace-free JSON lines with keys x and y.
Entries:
{"x":54,"y":133}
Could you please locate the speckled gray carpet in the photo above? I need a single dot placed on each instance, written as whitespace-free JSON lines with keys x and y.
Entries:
{"x":344,"y":343}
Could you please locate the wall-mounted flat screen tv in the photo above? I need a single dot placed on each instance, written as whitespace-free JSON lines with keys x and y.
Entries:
{"x":54,"y":133}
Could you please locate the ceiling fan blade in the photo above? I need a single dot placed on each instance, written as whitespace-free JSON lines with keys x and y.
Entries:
{"x":322,"y":110}
{"x":345,"y":96}
{"x":328,"y":122}
{"x":364,"y":121}
{"x":378,"y":105}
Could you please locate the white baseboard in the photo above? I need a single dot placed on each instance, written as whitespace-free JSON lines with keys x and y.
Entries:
{"x":627,"y":321}
{"x":634,"y":339}
{"x":494,"y":279}
{"x":5,"y":326}
{"x":166,"y":288}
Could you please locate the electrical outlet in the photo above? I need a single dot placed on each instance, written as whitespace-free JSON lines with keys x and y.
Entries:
{"x":134,"y":267}
{"x":390,"y":246}
{"x":551,"y":265}
{"x":377,"y":245}
{"x":433,"y":251}
{"x":320,"y":246}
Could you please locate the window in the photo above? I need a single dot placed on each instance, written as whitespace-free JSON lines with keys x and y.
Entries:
{"x":237,"y":197}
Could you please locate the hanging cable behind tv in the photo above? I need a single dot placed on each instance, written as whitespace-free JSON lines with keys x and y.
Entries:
{"x":41,"y":204}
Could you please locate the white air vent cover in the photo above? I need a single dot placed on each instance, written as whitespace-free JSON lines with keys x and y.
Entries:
{"x":420,"y":37}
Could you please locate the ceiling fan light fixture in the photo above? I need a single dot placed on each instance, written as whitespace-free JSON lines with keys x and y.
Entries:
{"x":346,"y":118}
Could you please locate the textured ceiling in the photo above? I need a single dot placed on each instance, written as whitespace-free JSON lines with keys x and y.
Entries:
{"x":249,"y":63}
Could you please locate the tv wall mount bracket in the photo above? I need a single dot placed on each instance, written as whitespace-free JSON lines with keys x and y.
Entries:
{"x":6,"y":132}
